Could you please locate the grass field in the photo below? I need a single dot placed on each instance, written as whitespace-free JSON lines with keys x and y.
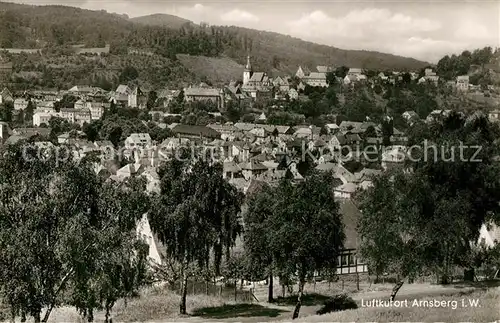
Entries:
{"x":487,"y":310}
{"x":161,"y":305}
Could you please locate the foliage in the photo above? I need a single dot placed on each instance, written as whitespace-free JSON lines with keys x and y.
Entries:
{"x":117,"y":128}
{"x":59,"y":126}
{"x":128,"y":74}
{"x":195,"y":215}
{"x":60,"y":226}
{"x":301,"y":227}
{"x":92,"y":129}
{"x":450,"y":67}
{"x":337,"y":303}
{"x":6,"y":111}
{"x":430,"y":218}
{"x":258,"y":235}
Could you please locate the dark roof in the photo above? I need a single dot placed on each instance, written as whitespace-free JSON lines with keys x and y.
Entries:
{"x":352,"y":137}
{"x":341,"y":138}
{"x":255,"y":187}
{"x":14,"y":139}
{"x":190,"y":130}
{"x":374,"y":140}
{"x":350,"y":215}
{"x":252,"y":165}
{"x":29,"y":132}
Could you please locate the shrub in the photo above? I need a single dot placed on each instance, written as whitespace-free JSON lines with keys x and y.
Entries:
{"x":337,"y":303}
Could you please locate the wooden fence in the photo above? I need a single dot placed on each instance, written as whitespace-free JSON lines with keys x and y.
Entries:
{"x":233,"y":293}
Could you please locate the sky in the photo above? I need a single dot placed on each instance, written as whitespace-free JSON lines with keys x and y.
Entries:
{"x":423,"y":29}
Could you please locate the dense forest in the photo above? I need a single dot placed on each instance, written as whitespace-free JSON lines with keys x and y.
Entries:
{"x":23,"y":26}
{"x":452,"y":66}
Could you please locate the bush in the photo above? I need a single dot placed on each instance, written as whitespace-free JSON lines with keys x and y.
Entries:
{"x":337,"y":303}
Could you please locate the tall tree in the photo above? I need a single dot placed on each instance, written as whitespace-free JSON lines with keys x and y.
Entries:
{"x":57,"y":219}
{"x":307,"y":231}
{"x":195,"y":215}
{"x":430,"y":218}
{"x":258,"y":221}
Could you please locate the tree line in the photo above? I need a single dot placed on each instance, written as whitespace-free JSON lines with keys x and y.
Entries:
{"x":427,"y":221}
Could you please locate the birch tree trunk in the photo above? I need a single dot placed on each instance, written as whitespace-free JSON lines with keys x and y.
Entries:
{"x":396,"y":289}
{"x":270,"y":291}
{"x":302,"y":282}
{"x":182,"y":306}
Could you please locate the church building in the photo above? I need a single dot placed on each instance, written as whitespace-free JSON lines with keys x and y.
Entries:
{"x":257,"y":84}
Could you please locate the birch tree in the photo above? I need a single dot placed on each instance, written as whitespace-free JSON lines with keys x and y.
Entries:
{"x":307,"y":229}
{"x":195,"y":215}
{"x":57,"y":219}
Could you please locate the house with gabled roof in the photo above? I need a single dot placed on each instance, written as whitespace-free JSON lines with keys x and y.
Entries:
{"x":277,"y":81}
{"x":355,"y":71}
{"x":316,"y":79}
{"x":251,"y":169}
{"x":120,"y":96}
{"x":6,"y":96}
{"x":332,"y":128}
{"x":130,"y":170}
{"x":213,"y":95}
{"x":137,"y":98}
{"x":324,"y":69}
{"x":194,"y":131}
{"x":293,"y":94}
{"x":4,"y":131}
{"x":231,"y":170}
{"x":349,"y":261}
{"x":462,"y":83}
{"x":302,"y":72}
{"x":345,"y":190}
{"x":410,"y":116}
{"x":135,"y":140}
{"x":364,"y":178}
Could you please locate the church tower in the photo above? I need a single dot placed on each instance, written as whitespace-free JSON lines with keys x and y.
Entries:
{"x":247,"y":73}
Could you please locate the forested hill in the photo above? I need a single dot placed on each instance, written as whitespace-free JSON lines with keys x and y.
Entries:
{"x":23,"y":26}
{"x":163,"y":20}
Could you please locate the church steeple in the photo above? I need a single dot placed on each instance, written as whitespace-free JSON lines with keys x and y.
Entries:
{"x":248,"y":67}
{"x":247,"y":73}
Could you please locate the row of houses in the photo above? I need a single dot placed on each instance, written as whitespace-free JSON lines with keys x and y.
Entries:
{"x":252,"y":154}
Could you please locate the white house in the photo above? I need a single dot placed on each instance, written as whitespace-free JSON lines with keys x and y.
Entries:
{"x":345,"y":190}
{"x":355,"y":71}
{"x":316,"y":79}
{"x":4,"y":131}
{"x":395,"y":156}
{"x":293,"y":94}
{"x":96,"y":109}
{"x":138,"y":140}
{"x":137,"y":98}
{"x":145,"y":233}
{"x":462,"y":82}
{"x":489,"y":235}
{"x":20,"y":104}
{"x":41,"y":118}
{"x":494,"y":115}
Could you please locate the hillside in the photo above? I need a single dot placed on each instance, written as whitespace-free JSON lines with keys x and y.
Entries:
{"x":215,"y":69}
{"x":187,"y":52}
{"x":163,"y":20}
{"x":285,"y":53}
